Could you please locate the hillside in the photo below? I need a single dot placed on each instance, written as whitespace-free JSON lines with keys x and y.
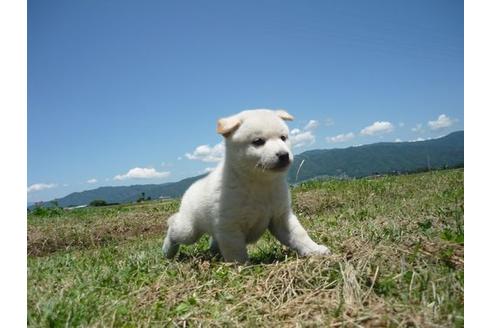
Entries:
{"x":128,"y":194}
{"x":397,"y":244}
{"x":385,"y":157}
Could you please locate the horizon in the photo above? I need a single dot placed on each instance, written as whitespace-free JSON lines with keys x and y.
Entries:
{"x":189,"y":177}
{"x":114,"y":89}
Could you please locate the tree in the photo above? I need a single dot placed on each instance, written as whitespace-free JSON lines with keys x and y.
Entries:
{"x":98,"y":202}
{"x":141,"y":198}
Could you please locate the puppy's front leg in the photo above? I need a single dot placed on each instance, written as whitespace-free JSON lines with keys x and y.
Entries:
{"x":232,"y":246}
{"x":289,"y":231}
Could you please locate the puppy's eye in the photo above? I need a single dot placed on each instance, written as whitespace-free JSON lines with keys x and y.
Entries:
{"x":258,"y":142}
{"x":283,"y":138}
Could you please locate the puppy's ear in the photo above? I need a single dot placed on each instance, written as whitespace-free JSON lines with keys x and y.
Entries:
{"x":226,"y":126}
{"x":284,"y":115}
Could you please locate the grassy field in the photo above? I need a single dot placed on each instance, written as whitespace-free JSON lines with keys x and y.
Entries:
{"x":397,"y":261}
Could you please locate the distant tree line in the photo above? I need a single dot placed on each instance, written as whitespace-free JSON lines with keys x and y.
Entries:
{"x":100,"y":202}
{"x":142,"y":198}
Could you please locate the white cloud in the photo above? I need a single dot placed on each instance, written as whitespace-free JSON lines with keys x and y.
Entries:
{"x":397,"y":140}
{"x":377,"y":128}
{"x":142,"y":173}
{"x":442,"y":121}
{"x":341,"y":137}
{"x":300,"y":139}
{"x":421,"y":139}
{"x":208,"y":169}
{"x":312,"y":124}
{"x":205,"y":153}
{"x":91,"y":180}
{"x":418,"y":128}
{"x":40,"y":186}
{"x":305,"y":137}
{"x":329,"y":121}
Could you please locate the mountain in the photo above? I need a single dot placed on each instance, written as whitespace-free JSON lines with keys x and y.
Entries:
{"x":384,"y":157}
{"x":127,"y":194}
{"x":360,"y":161}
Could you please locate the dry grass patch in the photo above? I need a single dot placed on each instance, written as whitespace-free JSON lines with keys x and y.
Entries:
{"x":96,"y":227}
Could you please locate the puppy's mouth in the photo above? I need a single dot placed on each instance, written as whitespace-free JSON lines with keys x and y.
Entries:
{"x":277,"y":167}
{"x":281,"y":166}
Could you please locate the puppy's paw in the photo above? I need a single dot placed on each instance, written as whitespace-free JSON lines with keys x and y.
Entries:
{"x":318,"y":250}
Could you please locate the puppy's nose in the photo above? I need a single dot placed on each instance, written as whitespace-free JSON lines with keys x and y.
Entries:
{"x":283,"y":157}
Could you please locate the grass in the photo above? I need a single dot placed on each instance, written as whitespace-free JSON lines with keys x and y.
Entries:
{"x":397,"y":261}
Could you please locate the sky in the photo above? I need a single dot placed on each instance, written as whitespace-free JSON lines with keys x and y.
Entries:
{"x":129,"y":92}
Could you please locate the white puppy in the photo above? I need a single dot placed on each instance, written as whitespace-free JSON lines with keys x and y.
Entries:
{"x":246,"y":194}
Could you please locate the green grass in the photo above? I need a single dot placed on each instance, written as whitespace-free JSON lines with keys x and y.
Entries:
{"x":397,"y":260}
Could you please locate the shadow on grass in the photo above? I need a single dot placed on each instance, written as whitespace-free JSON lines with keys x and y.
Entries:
{"x":261,"y":257}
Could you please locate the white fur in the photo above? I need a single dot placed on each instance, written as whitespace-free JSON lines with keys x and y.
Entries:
{"x":245,"y":195}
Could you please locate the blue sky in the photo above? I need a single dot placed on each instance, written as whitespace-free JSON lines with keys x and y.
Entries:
{"x":123,"y":92}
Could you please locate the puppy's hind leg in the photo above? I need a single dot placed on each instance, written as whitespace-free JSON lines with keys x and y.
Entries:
{"x":214,"y":247}
{"x":180,"y":231}
{"x":170,"y":248}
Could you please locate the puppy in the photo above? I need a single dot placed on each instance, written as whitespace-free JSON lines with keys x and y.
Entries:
{"x":246,"y":194}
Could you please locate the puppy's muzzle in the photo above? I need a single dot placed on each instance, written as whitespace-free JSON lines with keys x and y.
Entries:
{"x":283,"y":160}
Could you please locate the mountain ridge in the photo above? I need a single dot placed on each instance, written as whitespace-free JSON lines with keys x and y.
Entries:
{"x":354,"y":161}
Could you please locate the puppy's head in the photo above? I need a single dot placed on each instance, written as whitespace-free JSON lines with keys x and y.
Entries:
{"x":257,"y":141}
